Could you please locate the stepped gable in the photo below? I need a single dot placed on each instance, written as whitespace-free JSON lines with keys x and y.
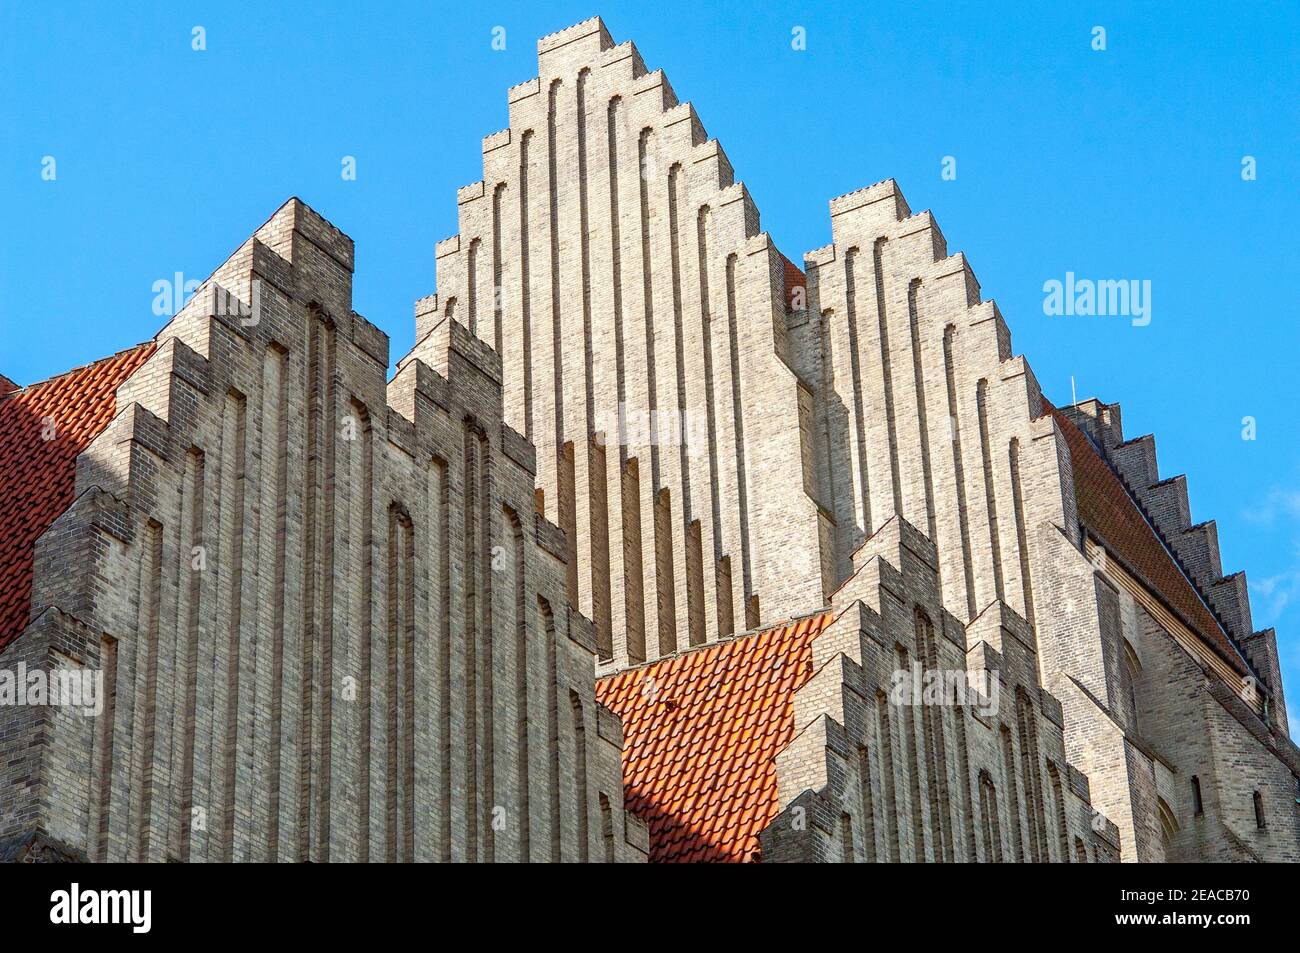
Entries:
{"x":701,"y":732}
{"x":38,"y":465}
{"x":612,"y":258}
{"x":1107,"y":509}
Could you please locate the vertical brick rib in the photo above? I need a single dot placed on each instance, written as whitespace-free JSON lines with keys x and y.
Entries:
{"x":440,"y":498}
{"x":600,"y":583}
{"x":498,"y":267}
{"x":580,"y":777}
{"x":704,"y":224}
{"x":611,"y":407}
{"x":107,"y":726}
{"x":695,"y":624}
{"x":408,"y":696}
{"x":886,"y":749}
{"x":391,"y":702}
{"x":519,"y":586}
{"x":193,"y":491}
{"x":633,"y":563}
{"x":692,"y":568}
{"x":664,"y":583}
{"x":990,"y":491}
{"x":471,"y":286}
{"x":568,"y":513}
{"x":935,"y":756}
{"x":234,"y":444}
{"x":867,"y":803}
{"x":595,"y":548}
{"x":557,"y":332}
{"x":308,"y":647}
{"x":733,"y":347}
{"x":886,"y":371}
{"x":726,"y":608}
{"x":913,"y":768}
{"x":325,"y":688}
{"x":486,"y":680}
{"x":918,"y":375}
{"x":616,"y":269}
{"x":632,"y":616}
{"x":470,"y":700}
{"x":859,"y":399}
{"x":552,"y":724}
{"x":525,"y":299}
{"x":1013,"y":799}
{"x":659,"y":579}
{"x":967,"y":809}
{"x":365,"y":623}
{"x":954,"y":426}
{"x":276,"y":368}
{"x":150,"y":591}
{"x":645,"y":145}
{"x":1022,"y":529}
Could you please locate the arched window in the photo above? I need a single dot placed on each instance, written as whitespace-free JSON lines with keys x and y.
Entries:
{"x":1062,"y":825}
{"x":992,"y":828}
{"x":1259,"y":810}
{"x":1198,"y":807}
{"x":1168,"y":822}
{"x":1080,"y":851}
{"x":1036,"y":820}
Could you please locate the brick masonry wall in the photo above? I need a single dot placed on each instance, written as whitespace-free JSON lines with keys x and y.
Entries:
{"x":874,"y":775}
{"x":632,"y":275}
{"x":387,"y":652}
{"x":335,"y":626}
{"x":606,"y":217}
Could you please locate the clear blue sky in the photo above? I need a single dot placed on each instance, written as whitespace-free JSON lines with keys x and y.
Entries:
{"x":1117,"y":164}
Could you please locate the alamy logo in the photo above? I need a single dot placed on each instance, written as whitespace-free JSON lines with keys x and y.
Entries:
{"x":920,"y":686}
{"x":1107,"y":297}
{"x":670,"y":427}
{"x":82,"y":689}
{"x":74,"y":906}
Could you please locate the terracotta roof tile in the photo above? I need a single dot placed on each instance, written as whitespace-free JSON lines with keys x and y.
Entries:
{"x":43,"y":428}
{"x":794,"y":278}
{"x":1109,"y":511}
{"x":701,"y":732}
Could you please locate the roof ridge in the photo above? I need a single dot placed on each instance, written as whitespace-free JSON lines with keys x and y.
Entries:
{"x":723,"y":640}
{"x":1159,"y":536}
{"x":80,"y":368}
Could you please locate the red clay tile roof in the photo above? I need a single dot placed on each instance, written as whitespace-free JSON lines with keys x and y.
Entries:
{"x":38,"y":474}
{"x":1108,"y":510}
{"x":794,"y":278}
{"x":701,"y":732}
